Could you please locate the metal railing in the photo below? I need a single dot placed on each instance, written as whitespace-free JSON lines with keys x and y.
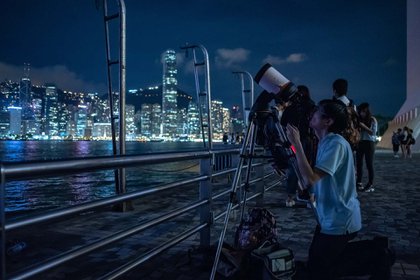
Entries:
{"x":24,"y":170}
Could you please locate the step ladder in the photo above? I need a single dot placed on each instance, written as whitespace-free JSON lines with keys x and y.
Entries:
{"x":202,"y":73}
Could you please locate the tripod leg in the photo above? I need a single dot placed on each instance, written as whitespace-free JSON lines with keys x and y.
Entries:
{"x":248,"y":170}
{"x":242,"y":156}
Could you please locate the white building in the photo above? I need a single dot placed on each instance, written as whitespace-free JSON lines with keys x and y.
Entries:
{"x":409,"y":114}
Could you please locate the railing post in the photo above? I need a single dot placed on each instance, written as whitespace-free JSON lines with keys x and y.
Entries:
{"x":206,"y":214}
{"x":234,"y":163}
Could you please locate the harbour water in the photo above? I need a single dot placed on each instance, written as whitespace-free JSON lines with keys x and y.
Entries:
{"x":54,"y":192}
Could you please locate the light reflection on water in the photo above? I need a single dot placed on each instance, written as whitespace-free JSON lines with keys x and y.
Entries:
{"x":37,"y":194}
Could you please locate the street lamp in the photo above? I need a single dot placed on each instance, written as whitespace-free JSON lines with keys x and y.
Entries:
{"x":245,"y":92}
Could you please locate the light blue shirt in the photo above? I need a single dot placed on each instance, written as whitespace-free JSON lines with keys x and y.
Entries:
{"x":366,"y":136}
{"x":337,"y":205}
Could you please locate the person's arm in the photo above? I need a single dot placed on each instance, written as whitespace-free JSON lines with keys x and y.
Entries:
{"x":364,"y":127}
{"x":309,"y":174}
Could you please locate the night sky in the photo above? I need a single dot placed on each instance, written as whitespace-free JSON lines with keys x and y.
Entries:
{"x":310,"y":42}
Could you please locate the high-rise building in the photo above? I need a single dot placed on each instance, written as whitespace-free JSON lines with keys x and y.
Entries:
{"x":81,"y":120}
{"x":4,"y":123}
{"x":194,"y":128}
{"x":15,"y":120}
{"x":217,"y":118}
{"x":238,"y":125}
{"x":131,"y":129}
{"x":35,"y":129}
{"x":25,"y":94}
{"x":150,"y":119}
{"x":51,"y":110}
{"x":169,"y":95}
{"x":182,"y":121}
{"x":156,"y":119}
{"x":25,"y":102}
{"x":9,"y":95}
{"x":227,"y":122}
{"x":64,"y":113}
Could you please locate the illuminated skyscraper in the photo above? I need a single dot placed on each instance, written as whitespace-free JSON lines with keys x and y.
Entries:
{"x":131,"y":129}
{"x":237,"y":119}
{"x":226,"y":126}
{"x":150,"y":119}
{"x":217,"y":118}
{"x":15,"y":120}
{"x":51,"y":110}
{"x":25,"y":98}
{"x":81,"y":120}
{"x":169,"y":94}
{"x":194,"y":128}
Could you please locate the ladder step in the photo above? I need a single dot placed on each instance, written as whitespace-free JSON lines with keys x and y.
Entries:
{"x":247,"y":90}
{"x":203,"y":93}
{"x":112,"y":62}
{"x":111,"y":17}
{"x":199,"y":64}
{"x":205,"y":125}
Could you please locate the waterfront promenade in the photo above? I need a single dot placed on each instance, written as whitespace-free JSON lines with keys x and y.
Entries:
{"x":392,"y":210}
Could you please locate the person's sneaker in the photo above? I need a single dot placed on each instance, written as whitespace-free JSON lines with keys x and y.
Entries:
{"x":290,"y":202}
{"x":359,"y":186}
{"x":369,"y":188}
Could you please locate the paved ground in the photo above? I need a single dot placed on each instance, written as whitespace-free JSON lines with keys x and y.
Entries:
{"x":392,"y":210}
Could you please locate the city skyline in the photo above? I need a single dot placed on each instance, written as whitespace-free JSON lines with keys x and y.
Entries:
{"x":310,"y":43}
{"x":56,"y":114}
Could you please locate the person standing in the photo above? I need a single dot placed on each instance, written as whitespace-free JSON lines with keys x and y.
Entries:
{"x":298,"y":113}
{"x":340,"y":91}
{"x":366,"y":147}
{"x":333,"y":181}
{"x":404,"y":141}
{"x":396,"y":135}
{"x":410,"y":141}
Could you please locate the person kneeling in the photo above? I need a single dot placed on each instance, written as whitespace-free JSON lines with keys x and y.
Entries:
{"x":333,"y":181}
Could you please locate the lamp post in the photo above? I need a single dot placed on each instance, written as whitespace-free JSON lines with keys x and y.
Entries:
{"x":245,"y":92}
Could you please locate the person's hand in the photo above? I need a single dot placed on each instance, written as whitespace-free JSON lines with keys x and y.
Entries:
{"x":293,"y":134}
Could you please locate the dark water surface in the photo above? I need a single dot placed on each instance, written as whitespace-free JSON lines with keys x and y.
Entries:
{"x":37,"y":194}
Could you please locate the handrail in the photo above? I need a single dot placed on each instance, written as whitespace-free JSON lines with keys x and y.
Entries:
{"x":121,"y":270}
{"x":72,"y":254}
{"x":55,"y":214}
{"x":21,"y":170}
{"x":18,"y":223}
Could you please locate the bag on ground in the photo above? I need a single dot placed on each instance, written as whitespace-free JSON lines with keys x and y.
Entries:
{"x":368,"y":257}
{"x":258,"y":226}
{"x":272,"y":261}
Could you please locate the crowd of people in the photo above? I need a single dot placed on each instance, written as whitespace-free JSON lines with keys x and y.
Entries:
{"x":363,"y":151}
{"x":403,"y":139}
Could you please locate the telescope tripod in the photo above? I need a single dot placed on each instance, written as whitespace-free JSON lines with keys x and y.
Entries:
{"x":258,"y":119}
